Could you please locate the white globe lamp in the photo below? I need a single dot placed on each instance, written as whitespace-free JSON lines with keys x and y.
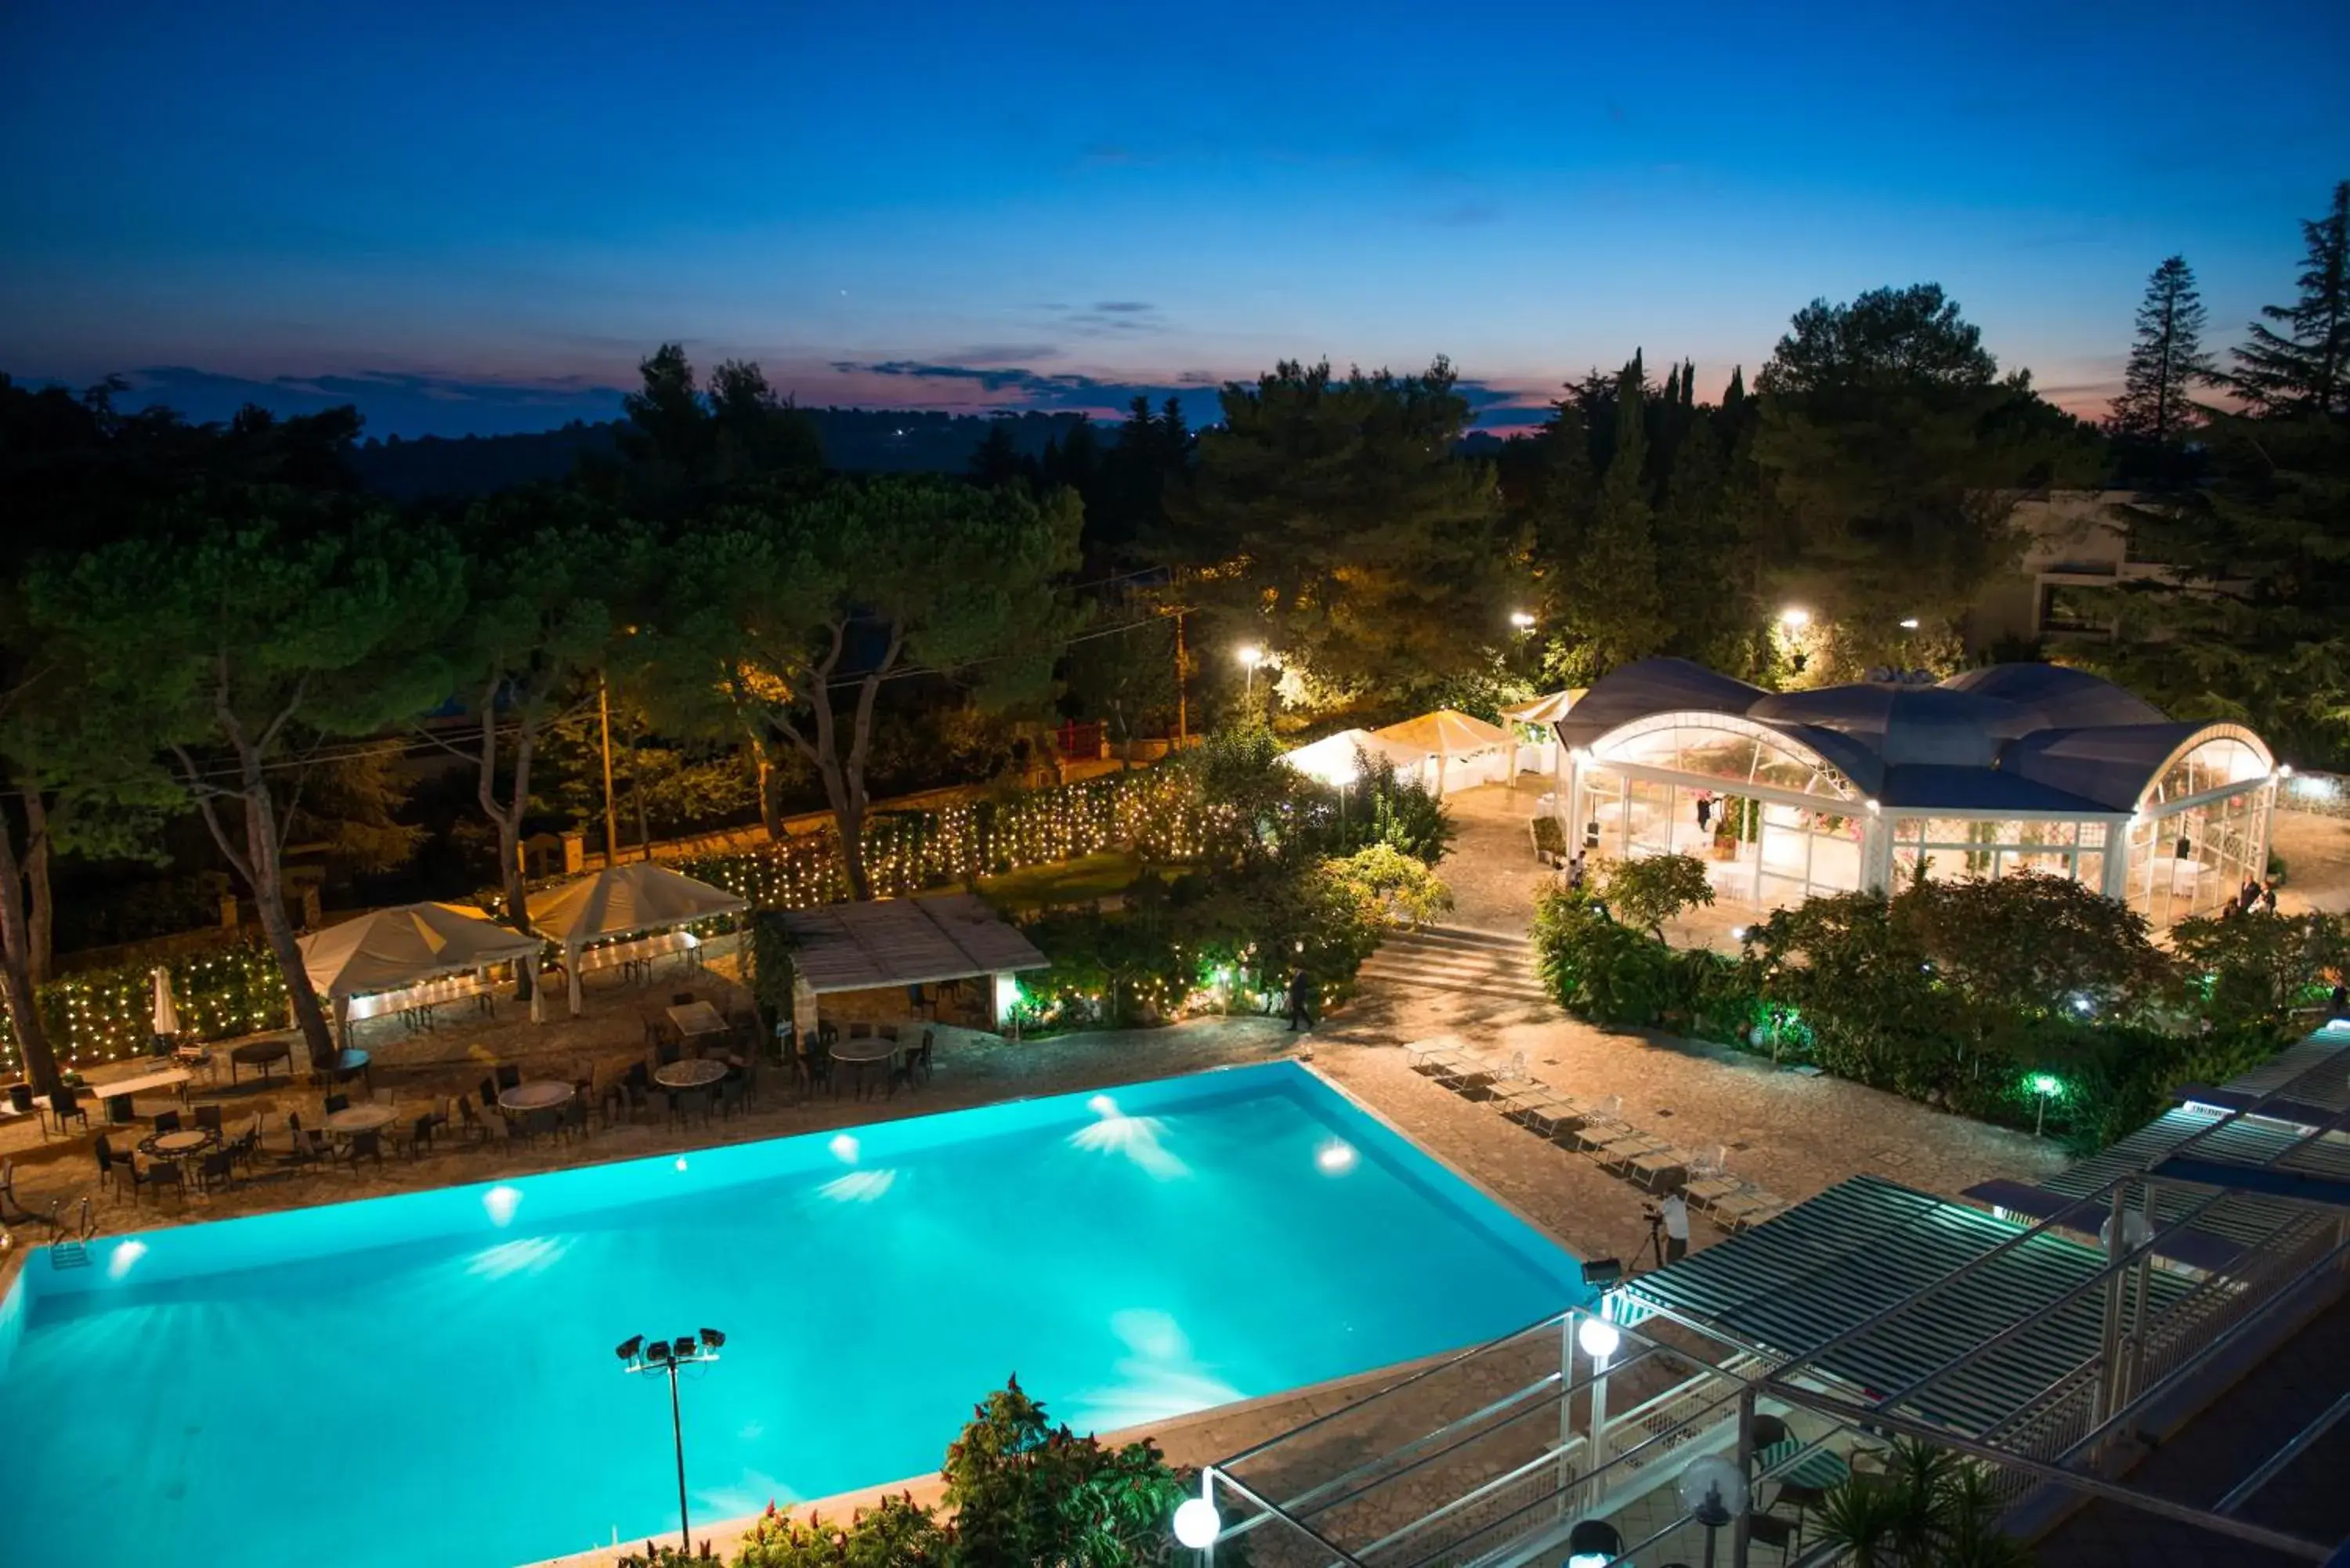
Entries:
{"x":1196,"y":1523}
{"x":1599,"y":1338}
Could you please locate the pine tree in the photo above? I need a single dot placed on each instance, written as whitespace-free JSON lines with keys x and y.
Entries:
{"x":2306,"y":369}
{"x":1735,"y":396}
{"x":2165,"y":363}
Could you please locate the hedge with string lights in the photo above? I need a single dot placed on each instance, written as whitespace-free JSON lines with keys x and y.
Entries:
{"x":107,"y":1014}
{"x":1157,"y":814}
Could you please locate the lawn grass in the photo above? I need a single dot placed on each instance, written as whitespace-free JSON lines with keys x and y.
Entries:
{"x":1063,"y":881}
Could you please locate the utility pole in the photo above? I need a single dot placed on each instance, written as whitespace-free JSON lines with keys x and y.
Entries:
{"x":1182,"y":714}
{"x":612,"y":820}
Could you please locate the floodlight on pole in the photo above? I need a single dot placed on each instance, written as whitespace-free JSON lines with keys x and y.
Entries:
{"x":1522,"y":621}
{"x":1794,"y":619}
{"x":2044,"y":1087}
{"x":661,"y":1355}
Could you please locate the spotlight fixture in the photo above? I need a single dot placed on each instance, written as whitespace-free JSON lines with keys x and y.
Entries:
{"x":712,"y":1340}
{"x":629,"y":1346}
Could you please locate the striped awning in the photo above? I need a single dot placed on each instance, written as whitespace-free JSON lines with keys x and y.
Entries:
{"x":1866,"y":1247}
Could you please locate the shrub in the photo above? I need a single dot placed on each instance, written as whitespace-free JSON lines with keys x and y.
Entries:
{"x":1656,"y":888}
{"x":893,"y":1534}
{"x":654,"y":1556}
{"x":1027,"y":1492}
{"x":1402,"y":890}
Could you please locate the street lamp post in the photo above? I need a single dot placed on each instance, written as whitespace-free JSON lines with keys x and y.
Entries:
{"x":664,"y":1356}
{"x":1251,"y":656}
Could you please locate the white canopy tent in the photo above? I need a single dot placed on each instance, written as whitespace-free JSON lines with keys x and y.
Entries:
{"x":621,"y":901}
{"x":393,"y":949}
{"x":1539,"y":714}
{"x":1333,"y":760}
{"x":1453,"y":749}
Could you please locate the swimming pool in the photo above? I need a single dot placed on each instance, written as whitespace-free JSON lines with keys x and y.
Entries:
{"x":430,"y":1378}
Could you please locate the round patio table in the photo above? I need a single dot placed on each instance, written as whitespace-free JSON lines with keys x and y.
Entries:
{"x":360,"y":1118}
{"x":351,"y":1063}
{"x":261,"y":1053}
{"x":538,"y":1094}
{"x":698,"y":1073}
{"x":177,"y":1144}
{"x":861,"y":1055}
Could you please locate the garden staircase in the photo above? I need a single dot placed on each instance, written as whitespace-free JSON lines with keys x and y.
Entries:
{"x":1492,"y":965}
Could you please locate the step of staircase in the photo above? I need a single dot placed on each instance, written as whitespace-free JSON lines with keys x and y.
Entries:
{"x":1487,"y":964}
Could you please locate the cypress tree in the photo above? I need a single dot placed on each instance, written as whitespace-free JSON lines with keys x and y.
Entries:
{"x":2306,"y":367}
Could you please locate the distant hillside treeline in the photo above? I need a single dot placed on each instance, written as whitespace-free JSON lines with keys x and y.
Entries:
{"x":861,"y":440}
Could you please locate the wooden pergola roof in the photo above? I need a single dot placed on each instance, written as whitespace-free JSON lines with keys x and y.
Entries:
{"x":919,"y":940}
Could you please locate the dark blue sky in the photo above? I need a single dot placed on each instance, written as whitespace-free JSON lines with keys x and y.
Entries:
{"x":501,"y":205}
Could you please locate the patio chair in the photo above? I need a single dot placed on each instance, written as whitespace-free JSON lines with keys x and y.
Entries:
{"x":109,"y":1173}
{"x":20,"y":1099}
{"x":209,"y":1116}
{"x":247,"y":1144}
{"x":681,"y":999}
{"x":861,"y":1031}
{"x":828,"y":1035}
{"x":687,"y":1103}
{"x":750,"y":1081}
{"x":419,"y":1135}
{"x":497,"y":1131}
{"x":337,"y":1103}
{"x":215,"y":1170}
{"x":727,"y":1094}
{"x":167,"y":1121}
{"x":1660,"y":1169}
{"x":64,"y":1108}
{"x":670,"y":1051}
{"x":161,"y":1174}
{"x":367,"y":1145}
{"x":488,"y":1090}
{"x":924,"y":1058}
{"x":573,"y":1115}
{"x":536,"y":1125}
{"x":508,"y":1076}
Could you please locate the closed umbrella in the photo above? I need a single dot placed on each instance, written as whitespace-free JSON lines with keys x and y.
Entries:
{"x":167,"y":1016}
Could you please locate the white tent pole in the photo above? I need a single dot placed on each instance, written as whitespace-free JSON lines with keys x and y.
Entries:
{"x":571,"y":955}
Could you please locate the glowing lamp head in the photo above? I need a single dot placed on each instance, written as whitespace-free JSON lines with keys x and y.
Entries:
{"x":1909,"y":624}
{"x":1599,"y":1338}
{"x":1196,"y":1524}
{"x":2046,"y":1083}
{"x":1522,"y":621}
{"x":1250,"y":655}
{"x":1794,"y":619}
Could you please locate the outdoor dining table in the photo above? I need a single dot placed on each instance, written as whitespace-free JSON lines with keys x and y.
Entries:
{"x":698,"y":1073}
{"x":538,"y":1094}
{"x":360,"y":1118}
{"x":860,"y":1054}
{"x":261,"y":1053}
{"x":178,"y":1144}
{"x":351,"y":1063}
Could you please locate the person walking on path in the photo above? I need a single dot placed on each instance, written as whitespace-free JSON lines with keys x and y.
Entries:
{"x":1676,"y":1210}
{"x":1301,"y":1002}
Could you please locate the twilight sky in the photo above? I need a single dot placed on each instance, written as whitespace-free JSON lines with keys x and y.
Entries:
{"x":479,"y":217}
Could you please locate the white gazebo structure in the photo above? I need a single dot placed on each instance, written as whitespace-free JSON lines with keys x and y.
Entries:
{"x":392,"y":959}
{"x":628,"y":900}
{"x":1452,"y":750}
{"x":2014,"y":767}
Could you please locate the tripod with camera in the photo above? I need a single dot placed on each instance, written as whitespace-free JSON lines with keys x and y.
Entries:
{"x":1653,"y":1248}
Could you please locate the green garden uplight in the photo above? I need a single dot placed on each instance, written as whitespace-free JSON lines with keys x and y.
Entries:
{"x":2047,"y":1085}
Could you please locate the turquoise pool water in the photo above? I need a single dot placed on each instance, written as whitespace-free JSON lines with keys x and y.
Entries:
{"x":430,"y":1378}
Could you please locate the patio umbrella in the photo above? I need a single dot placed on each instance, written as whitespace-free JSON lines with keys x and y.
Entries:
{"x":167,"y":1016}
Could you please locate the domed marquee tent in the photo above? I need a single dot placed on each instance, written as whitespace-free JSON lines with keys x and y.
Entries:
{"x":2012,"y":768}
